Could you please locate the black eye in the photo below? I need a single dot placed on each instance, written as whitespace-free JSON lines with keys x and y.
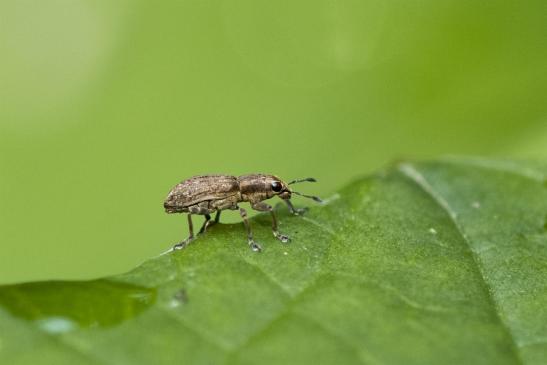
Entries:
{"x":276,"y":186}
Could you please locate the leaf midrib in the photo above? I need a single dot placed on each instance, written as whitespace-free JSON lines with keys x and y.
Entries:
{"x":497,"y":166}
{"x":412,"y":174}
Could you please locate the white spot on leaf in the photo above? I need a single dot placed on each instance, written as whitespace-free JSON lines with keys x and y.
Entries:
{"x":56,"y":324}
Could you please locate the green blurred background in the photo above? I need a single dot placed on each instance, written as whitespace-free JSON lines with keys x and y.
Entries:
{"x":105,"y":105}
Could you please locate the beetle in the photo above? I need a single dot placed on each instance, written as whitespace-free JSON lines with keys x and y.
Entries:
{"x":206,"y":194}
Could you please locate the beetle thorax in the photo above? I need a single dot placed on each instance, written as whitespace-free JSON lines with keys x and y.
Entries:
{"x":256,"y":187}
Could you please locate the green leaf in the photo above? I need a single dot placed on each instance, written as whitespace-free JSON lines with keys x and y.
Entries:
{"x":426,"y":263}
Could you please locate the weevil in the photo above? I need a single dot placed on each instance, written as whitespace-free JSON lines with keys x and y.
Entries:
{"x":206,"y":194}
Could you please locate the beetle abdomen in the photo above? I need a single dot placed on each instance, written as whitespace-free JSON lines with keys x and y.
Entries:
{"x":198,"y":189}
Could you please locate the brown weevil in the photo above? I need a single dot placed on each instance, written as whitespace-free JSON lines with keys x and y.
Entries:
{"x":206,"y":194}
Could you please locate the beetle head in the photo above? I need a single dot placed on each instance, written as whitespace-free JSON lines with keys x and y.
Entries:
{"x":278,"y":187}
{"x":284,"y":192}
{"x":259,"y":187}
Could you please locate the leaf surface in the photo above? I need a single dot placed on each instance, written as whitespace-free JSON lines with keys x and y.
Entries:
{"x":423,"y":263}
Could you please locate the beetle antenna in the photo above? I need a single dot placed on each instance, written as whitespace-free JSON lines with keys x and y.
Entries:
{"x":308,"y":179}
{"x":315,"y":198}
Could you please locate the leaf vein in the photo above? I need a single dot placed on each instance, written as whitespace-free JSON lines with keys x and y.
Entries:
{"x":269,"y":277}
{"x":394,"y":292}
{"x":356,"y":349}
{"x":319,"y":225}
{"x":224,"y":346}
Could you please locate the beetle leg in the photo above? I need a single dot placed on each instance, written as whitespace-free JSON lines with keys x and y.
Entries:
{"x":252,"y":244}
{"x":190,"y":238}
{"x":263,"y":207}
{"x":209,"y":222}
{"x":293,"y":210}
{"x":205,"y":225}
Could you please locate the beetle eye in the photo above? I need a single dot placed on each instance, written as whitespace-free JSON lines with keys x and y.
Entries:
{"x":276,"y":186}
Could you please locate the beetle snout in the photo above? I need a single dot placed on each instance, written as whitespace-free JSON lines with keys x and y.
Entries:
{"x":285,"y":194}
